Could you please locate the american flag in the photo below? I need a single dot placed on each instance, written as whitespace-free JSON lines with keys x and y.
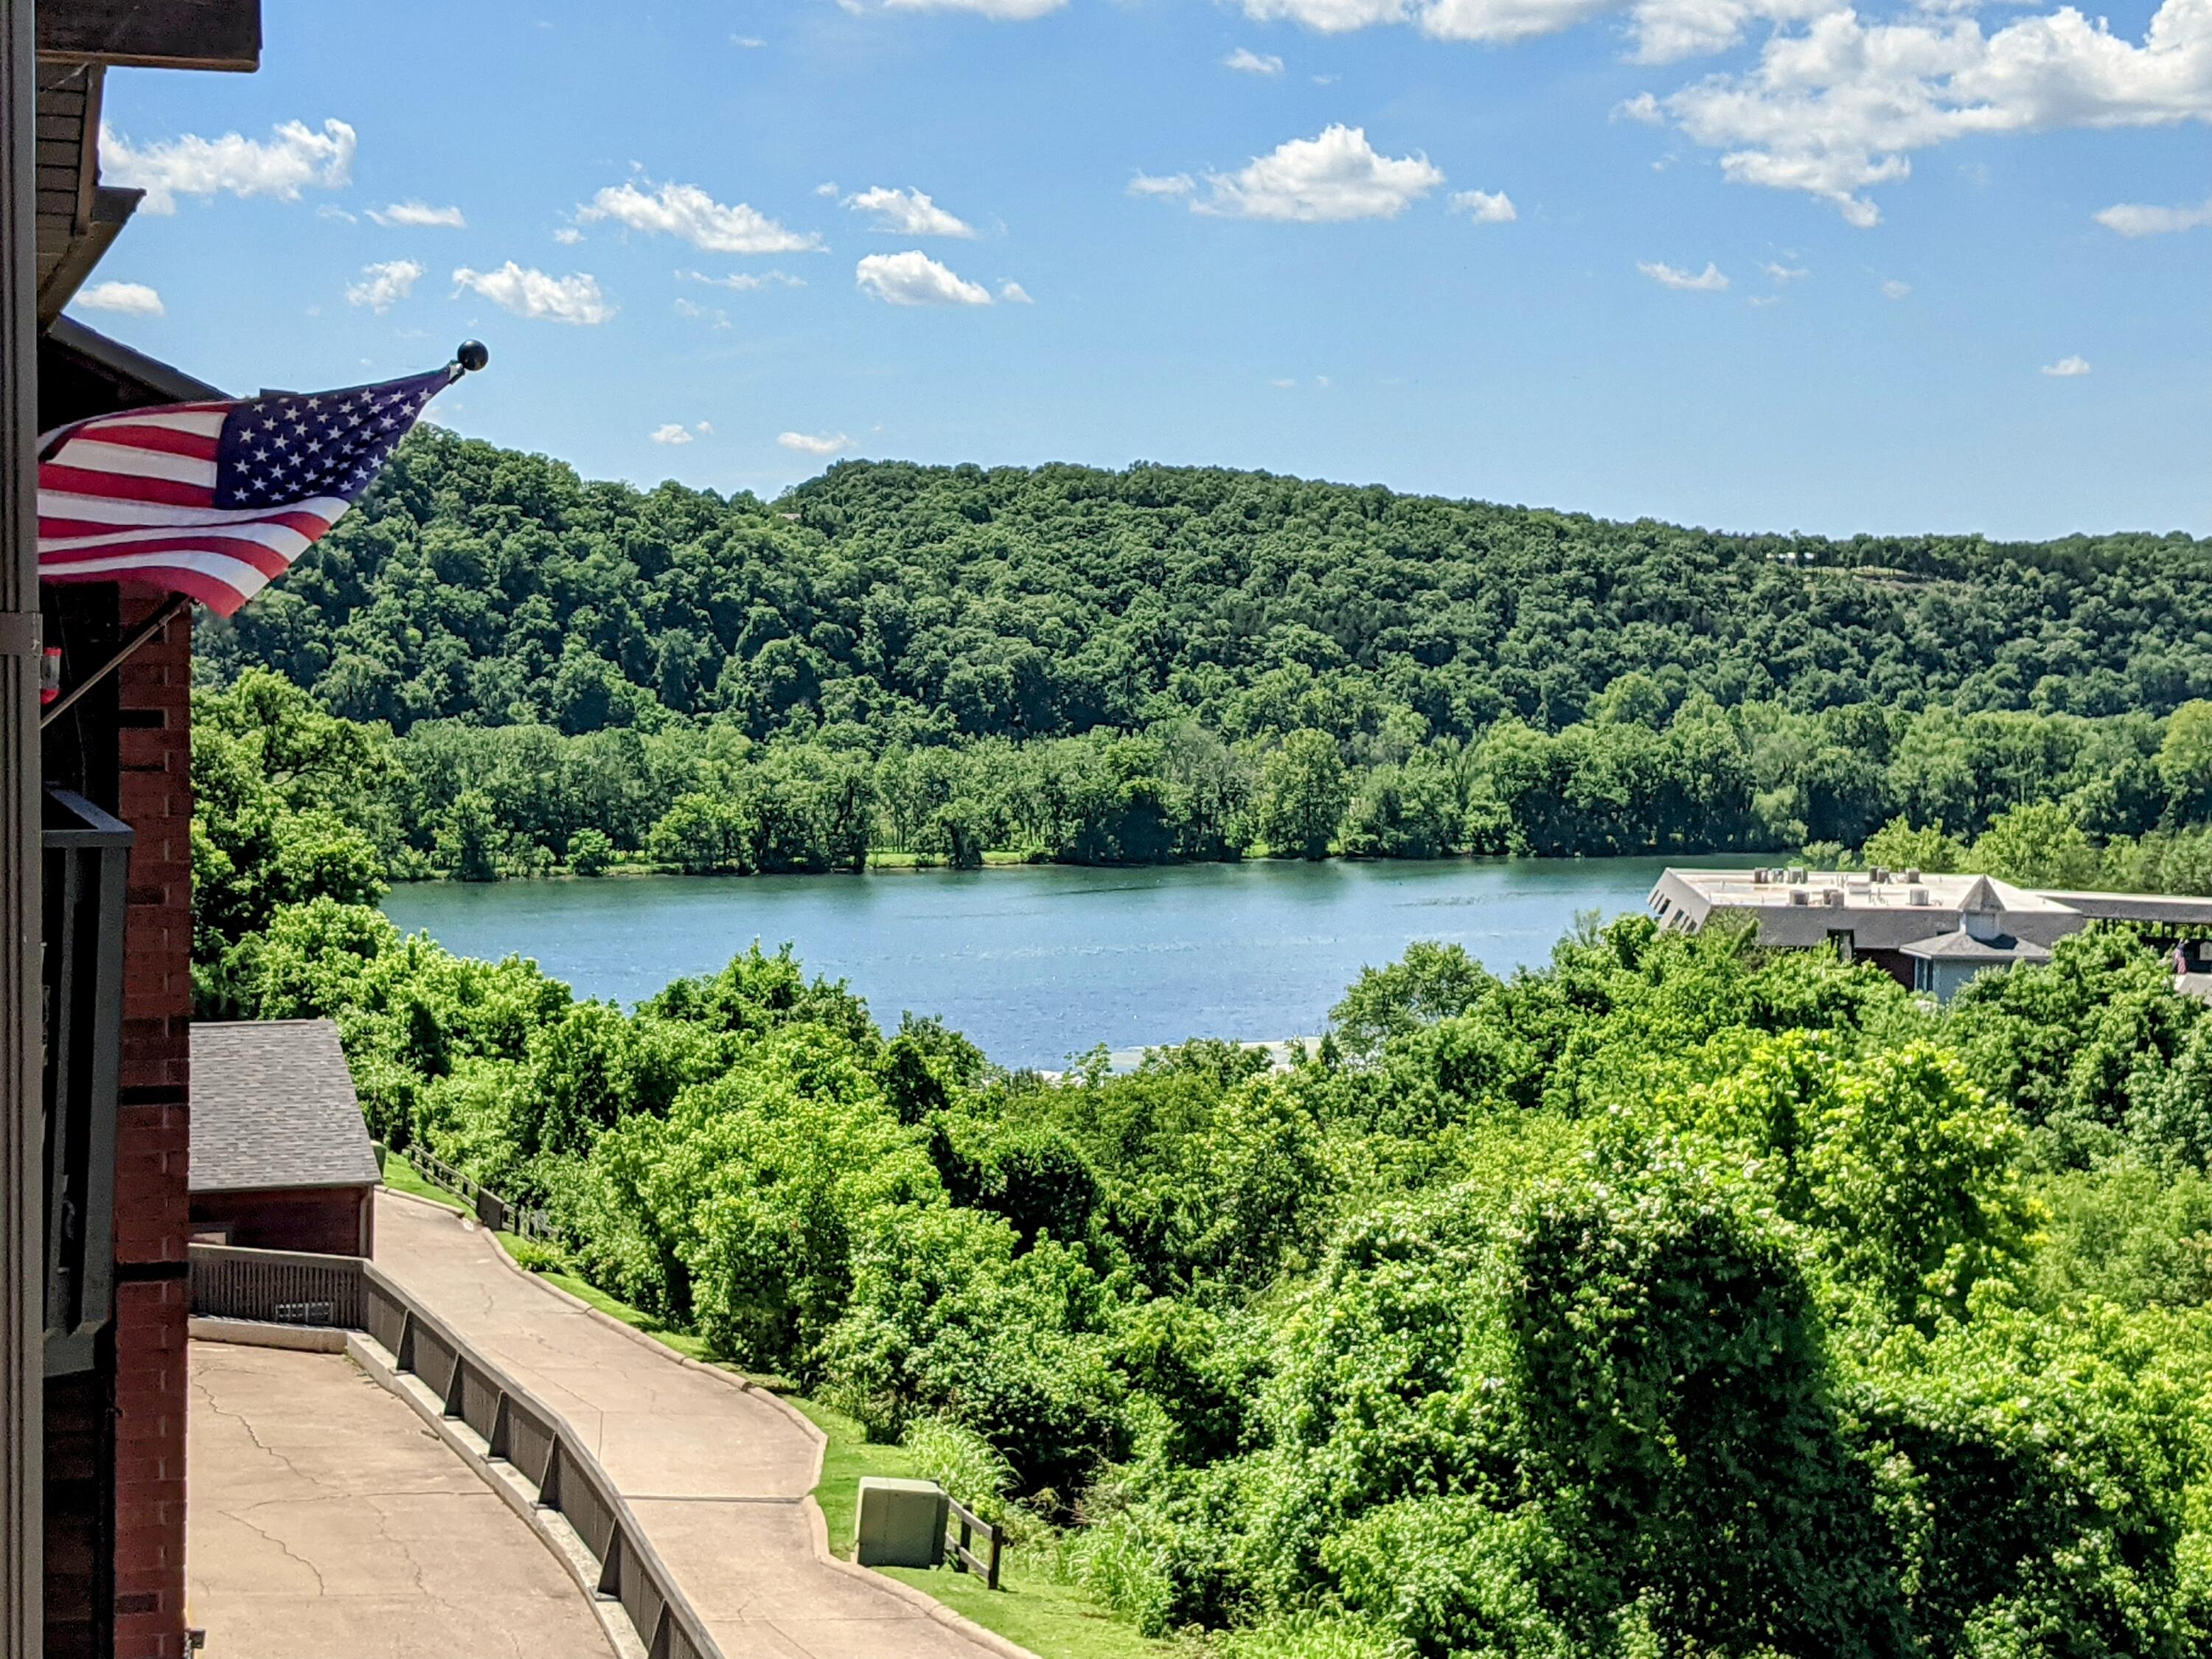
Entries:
{"x":213,"y":500}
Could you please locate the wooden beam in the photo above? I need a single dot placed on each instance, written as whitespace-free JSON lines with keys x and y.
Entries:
{"x":204,"y":34}
{"x":22,"y":1196}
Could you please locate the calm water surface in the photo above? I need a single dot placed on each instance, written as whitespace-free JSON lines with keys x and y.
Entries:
{"x":1038,"y":962}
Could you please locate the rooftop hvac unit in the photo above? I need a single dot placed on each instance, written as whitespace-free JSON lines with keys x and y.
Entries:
{"x":1832,"y":897}
{"x":1916,"y":896}
{"x":1880,"y":874}
{"x":1801,"y":898}
{"x":1913,"y":875}
{"x":1797,"y":877}
{"x":1758,"y":877}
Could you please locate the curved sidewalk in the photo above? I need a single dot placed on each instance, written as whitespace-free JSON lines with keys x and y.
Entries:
{"x":716,"y":1474}
{"x":325,"y":1520}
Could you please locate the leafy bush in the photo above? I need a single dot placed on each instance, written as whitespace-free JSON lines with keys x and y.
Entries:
{"x":1679,"y":1298}
{"x":535,"y":1256}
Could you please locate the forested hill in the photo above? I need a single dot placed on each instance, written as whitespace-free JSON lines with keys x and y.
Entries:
{"x":480,"y":584}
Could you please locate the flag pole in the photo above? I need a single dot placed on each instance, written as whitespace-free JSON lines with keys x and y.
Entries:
{"x":469,"y":357}
{"x":178,"y":603}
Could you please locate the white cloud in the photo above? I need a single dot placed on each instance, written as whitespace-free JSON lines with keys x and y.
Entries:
{"x":1840,"y":105}
{"x":913,"y":278}
{"x":827,"y":187}
{"x":704,"y":428}
{"x":672,"y":433}
{"x":1173,"y":184}
{"x":808,"y":443}
{"x":328,"y":211}
{"x":1335,"y":176}
{"x":1782,"y":273}
{"x":1484,"y":207}
{"x":749,"y":42}
{"x":1245,"y":61}
{"x":130,"y":298}
{"x":1708,"y":281}
{"x":713,"y":314}
{"x":999,"y":11}
{"x":2142,"y":219}
{"x":745,"y":282}
{"x":575,"y":299}
{"x":687,"y":211}
{"x":383,"y":286}
{"x":1893,"y":289}
{"x":1666,"y":31}
{"x":2066,"y":368}
{"x":295,"y":158}
{"x":1283,"y":384}
{"x":1014,"y":294}
{"x":420,"y":214}
{"x":567,"y":236}
{"x":1442,"y":20}
{"x":1643,"y":107}
{"x":908,"y":213}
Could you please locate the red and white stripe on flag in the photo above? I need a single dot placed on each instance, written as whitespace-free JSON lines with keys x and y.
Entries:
{"x":130,"y":497}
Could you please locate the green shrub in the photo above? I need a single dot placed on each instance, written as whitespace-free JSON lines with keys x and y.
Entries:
{"x":537,"y":1256}
{"x":591,"y":852}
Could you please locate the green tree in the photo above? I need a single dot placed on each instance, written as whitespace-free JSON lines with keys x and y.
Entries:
{"x":470,"y":839}
{"x":1303,"y":795}
{"x":1898,"y":846}
{"x":2037,"y":845}
{"x":590,"y":852}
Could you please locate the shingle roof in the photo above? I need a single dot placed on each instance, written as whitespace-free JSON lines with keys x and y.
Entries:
{"x":1963,"y":946}
{"x":273,"y":1106}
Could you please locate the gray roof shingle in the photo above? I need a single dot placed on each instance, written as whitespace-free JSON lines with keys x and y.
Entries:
{"x":1962,"y":946}
{"x":273,"y":1106}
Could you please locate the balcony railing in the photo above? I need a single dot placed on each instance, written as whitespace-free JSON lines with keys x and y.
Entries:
{"x":86,"y":852}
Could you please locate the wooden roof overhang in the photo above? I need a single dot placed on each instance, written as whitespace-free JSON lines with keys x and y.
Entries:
{"x":79,"y":217}
{"x":197,"y":34}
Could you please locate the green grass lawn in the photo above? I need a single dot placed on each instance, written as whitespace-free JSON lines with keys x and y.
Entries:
{"x":402,"y":1177}
{"x":1052,"y":1620}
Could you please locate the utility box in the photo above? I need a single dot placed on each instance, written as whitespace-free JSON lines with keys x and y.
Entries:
{"x":901,"y":1523}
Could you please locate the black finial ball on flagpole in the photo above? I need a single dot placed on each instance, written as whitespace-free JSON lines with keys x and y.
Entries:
{"x":472,"y":356}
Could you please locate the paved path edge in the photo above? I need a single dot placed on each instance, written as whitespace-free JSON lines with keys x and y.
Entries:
{"x":819,"y":1529}
{"x":614,"y":1625}
{"x":818,"y":1523}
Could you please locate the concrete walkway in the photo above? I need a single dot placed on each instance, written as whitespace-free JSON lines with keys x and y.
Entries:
{"x":325,"y":1519}
{"x":717,"y":1475}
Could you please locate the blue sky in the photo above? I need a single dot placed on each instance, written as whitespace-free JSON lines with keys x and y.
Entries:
{"x":1750,"y":263}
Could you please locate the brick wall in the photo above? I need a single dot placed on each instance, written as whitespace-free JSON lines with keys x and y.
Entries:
{"x":155,"y":797}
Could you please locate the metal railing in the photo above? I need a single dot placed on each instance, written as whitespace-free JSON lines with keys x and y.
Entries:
{"x":81,"y":937}
{"x":491,"y":1210}
{"x":283,"y":1286}
{"x":959,"y":1545}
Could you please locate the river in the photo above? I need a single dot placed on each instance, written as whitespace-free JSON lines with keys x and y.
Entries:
{"x":1040,"y":962}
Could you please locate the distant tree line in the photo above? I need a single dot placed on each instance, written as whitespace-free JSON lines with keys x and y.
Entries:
{"x":1187,"y":663}
{"x":2124,"y":795}
{"x":894,"y":604}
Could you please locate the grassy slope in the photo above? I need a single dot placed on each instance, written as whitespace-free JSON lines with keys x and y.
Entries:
{"x":401,"y":1176}
{"x":1052,"y":1620}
